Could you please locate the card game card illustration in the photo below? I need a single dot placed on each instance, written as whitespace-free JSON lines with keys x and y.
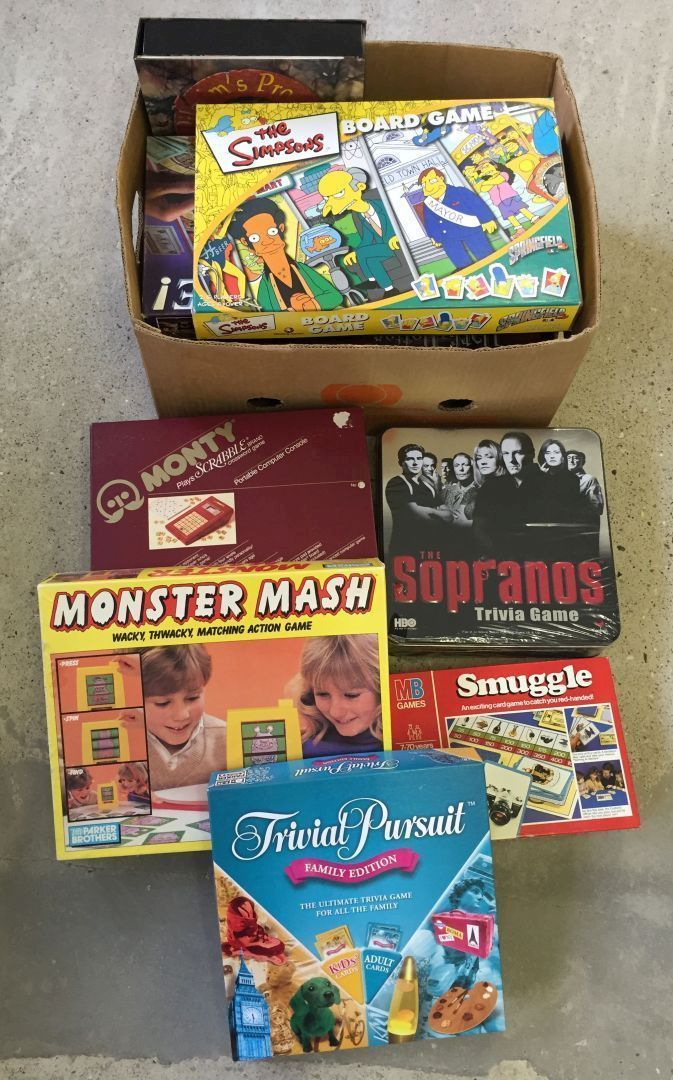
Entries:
{"x":497,"y":539}
{"x":526,"y":721}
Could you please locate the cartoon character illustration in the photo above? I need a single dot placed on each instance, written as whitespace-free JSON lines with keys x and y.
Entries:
{"x":456,"y":219}
{"x":543,"y":176}
{"x":362,"y":222}
{"x":546,"y":135}
{"x":312,"y":1015}
{"x":246,"y":935}
{"x":224,"y":282}
{"x":495,"y":181}
{"x":285,"y":285}
{"x":115,"y":498}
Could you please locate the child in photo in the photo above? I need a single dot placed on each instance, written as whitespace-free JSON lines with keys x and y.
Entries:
{"x":185,"y":744}
{"x":78,"y":783}
{"x":134,"y":783}
{"x":338,"y":695}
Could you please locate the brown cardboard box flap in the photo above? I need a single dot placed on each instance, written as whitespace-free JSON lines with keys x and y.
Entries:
{"x":396,"y":384}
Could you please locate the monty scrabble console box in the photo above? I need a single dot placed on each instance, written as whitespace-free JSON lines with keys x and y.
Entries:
{"x":386,"y":217}
{"x":156,"y":678}
{"x":269,"y":487}
{"x":356,"y":902}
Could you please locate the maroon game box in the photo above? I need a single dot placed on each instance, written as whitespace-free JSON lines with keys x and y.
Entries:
{"x":249,"y":488}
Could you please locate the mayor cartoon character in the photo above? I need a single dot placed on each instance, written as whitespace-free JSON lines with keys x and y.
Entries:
{"x":456,"y":219}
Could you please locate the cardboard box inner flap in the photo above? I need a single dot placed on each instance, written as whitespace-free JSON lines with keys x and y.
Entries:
{"x":517,"y":381}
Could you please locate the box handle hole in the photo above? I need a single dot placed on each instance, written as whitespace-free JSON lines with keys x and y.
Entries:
{"x":456,"y":404}
{"x":264,"y":402}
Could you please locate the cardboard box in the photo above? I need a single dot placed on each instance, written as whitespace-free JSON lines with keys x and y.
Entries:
{"x":335,"y":882}
{"x":549,"y":735}
{"x":360,"y":218}
{"x":155,"y":678}
{"x":247,"y":488}
{"x":522,"y":383}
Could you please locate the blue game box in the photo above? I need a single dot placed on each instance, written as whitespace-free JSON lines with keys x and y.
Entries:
{"x":356,"y":902}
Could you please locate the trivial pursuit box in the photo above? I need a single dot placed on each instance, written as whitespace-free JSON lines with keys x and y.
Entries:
{"x":238,"y":488}
{"x":156,"y":678}
{"x":356,"y":902}
{"x":549,"y":733}
{"x":382,"y":217}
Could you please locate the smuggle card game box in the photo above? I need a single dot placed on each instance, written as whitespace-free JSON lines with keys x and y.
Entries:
{"x":382,"y":217}
{"x":356,"y":902}
{"x":497,"y":539}
{"x":549,"y":733}
{"x":168,"y":235}
{"x":181,"y":62}
{"x":260,"y":487}
{"x":156,"y":678}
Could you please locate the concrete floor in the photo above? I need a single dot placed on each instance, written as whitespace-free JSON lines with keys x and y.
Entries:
{"x":111,"y":968}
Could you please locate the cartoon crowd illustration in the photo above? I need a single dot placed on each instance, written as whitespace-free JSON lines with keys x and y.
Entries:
{"x":393,"y":205}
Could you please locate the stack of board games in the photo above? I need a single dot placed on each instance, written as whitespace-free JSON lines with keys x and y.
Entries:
{"x":182,"y":62}
{"x":154,"y":679}
{"x":249,"y":488}
{"x":548,"y":732}
{"x":368,"y":218}
{"x":168,"y":235}
{"x":356,"y":903}
{"x":497,"y":539}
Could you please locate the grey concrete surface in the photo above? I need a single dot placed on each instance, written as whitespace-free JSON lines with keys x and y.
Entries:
{"x":111,"y":968}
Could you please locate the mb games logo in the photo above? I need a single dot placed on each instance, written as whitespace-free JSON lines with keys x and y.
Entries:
{"x":409,"y":689}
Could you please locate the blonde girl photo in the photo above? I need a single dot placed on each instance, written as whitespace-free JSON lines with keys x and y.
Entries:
{"x":338,"y":695}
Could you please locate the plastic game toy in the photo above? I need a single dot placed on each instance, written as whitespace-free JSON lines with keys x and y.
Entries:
{"x":99,"y":687}
{"x":263,"y":735}
{"x":104,"y":741}
{"x":108,"y":796}
{"x":200,"y":520}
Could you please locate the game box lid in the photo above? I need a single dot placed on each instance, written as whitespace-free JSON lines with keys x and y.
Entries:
{"x":296,"y":483}
{"x":497,"y":539}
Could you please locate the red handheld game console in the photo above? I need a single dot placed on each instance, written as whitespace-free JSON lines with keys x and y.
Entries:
{"x":199,"y":520}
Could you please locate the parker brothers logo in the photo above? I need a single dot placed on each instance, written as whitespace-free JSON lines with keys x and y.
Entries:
{"x":117,"y":496}
{"x":293,"y":139}
{"x":357,"y":821}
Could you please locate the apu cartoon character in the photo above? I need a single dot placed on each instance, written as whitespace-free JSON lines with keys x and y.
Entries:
{"x":115,"y":497}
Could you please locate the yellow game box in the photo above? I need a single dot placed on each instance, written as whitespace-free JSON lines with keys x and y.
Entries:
{"x":154,"y":679}
{"x":382,"y":217}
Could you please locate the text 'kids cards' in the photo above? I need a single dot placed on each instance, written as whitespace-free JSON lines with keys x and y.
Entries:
{"x":322,"y":218}
{"x":331,"y":876}
{"x":549,"y":733}
{"x":156,"y":678}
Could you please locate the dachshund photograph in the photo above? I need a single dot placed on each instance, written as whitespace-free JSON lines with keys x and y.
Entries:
{"x":312,"y":1015}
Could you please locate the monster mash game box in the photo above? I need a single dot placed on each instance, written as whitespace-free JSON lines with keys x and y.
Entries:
{"x":184,"y":61}
{"x":156,"y":678}
{"x":549,"y":734}
{"x":260,"y":487}
{"x":497,"y":539}
{"x":168,"y":235}
{"x":382,"y":217}
{"x":356,"y":902}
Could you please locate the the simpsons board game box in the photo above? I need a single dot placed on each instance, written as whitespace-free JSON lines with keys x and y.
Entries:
{"x":497,"y":539}
{"x":168,"y":235}
{"x":356,"y":902}
{"x":382,"y":217}
{"x":156,"y":678}
{"x":549,"y":734}
{"x":184,"y":61}
{"x":254,"y":487}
